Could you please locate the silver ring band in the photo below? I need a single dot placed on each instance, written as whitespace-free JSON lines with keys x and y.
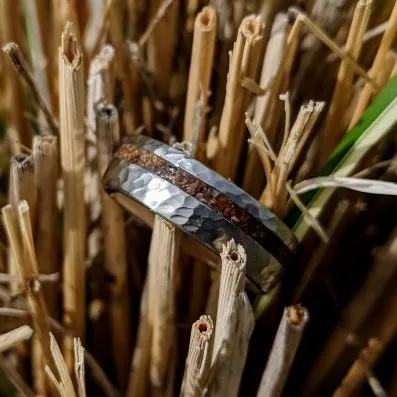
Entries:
{"x":203,"y":204}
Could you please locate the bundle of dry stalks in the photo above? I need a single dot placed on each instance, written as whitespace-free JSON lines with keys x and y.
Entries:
{"x":295,"y":101}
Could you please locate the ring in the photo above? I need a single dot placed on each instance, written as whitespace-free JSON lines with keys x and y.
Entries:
{"x":206,"y":206}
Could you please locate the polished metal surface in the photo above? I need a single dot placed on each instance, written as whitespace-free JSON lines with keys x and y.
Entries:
{"x":197,"y":219}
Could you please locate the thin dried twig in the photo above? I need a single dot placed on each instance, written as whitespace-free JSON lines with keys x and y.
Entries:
{"x":21,"y":66}
{"x":285,"y":346}
{"x":14,"y":337}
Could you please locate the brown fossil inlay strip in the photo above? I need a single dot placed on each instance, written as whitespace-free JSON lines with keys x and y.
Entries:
{"x":209,"y":196}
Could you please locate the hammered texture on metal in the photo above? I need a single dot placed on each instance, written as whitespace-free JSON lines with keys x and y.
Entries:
{"x":193,"y":217}
{"x":228,"y":188}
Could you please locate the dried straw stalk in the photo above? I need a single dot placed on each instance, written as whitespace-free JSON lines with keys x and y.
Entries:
{"x":376,"y":69}
{"x":199,"y":76}
{"x":283,"y":352}
{"x":334,"y":129}
{"x":253,"y":181}
{"x":113,"y":228}
{"x":21,"y":242}
{"x":234,"y":325}
{"x":17,"y":127}
{"x":198,"y":358}
{"x":46,"y":160}
{"x":243,"y":64}
{"x":163,"y":260}
{"x":161,"y":43}
{"x":356,"y":313}
{"x":21,"y":187}
{"x":14,"y":337}
{"x":71,"y":89}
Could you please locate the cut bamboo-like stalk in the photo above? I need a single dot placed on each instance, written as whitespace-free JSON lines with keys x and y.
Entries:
{"x":113,"y":228}
{"x":334,"y":129}
{"x":201,"y":64}
{"x":71,"y":89}
{"x":46,"y":160}
{"x":17,"y":128}
{"x":376,"y":69}
{"x":244,"y":62}
{"x":253,"y":181}
{"x":21,"y":242}
{"x":198,"y":358}
{"x":234,"y":324}
{"x":14,"y":337}
{"x":163,"y":260}
{"x":283,"y":352}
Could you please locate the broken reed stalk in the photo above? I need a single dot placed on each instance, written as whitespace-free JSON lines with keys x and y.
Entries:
{"x":14,"y":337}
{"x":21,"y":187}
{"x":376,"y":69}
{"x":272,"y":63}
{"x":100,"y":86}
{"x":198,"y":358}
{"x":163,"y":261}
{"x":282,"y":355}
{"x":234,"y":324}
{"x":356,"y":313}
{"x":71,"y":90}
{"x":46,"y":173}
{"x":18,"y":131}
{"x":243,"y":64}
{"x":114,"y":241}
{"x":20,"y":236}
{"x":334,"y":129}
{"x":201,"y":64}
{"x":21,"y":66}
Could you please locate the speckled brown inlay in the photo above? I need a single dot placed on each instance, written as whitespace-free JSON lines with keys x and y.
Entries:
{"x":209,"y":196}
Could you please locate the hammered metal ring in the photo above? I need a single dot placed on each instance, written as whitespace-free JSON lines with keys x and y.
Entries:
{"x":206,"y":206}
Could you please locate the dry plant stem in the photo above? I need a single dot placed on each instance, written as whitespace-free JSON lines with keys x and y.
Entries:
{"x":21,"y":66}
{"x":46,"y":160}
{"x":21,"y":187}
{"x":334,"y":129}
{"x":335,"y":48}
{"x":387,"y":69}
{"x":201,"y":64}
{"x":37,"y":30}
{"x":25,"y":257}
{"x":234,"y":324}
{"x":244,"y":62}
{"x":283,"y":352}
{"x":139,"y":374}
{"x":271,"y":64}
{"x":163,"y":260}
{"x":17,"y":127}
{"x":358,"y":371}
{"x":97,"y":21}
{"x":356,"y":313}
{"x":71,"y":106}
{"x":113,"y":228}
{"x":198,"y":358}
{"x":17,"y":381}
{"x":125,"y":72}
{"x":376,"y":69}
{"x":14,"y":337}
{"x":161,"y":43}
